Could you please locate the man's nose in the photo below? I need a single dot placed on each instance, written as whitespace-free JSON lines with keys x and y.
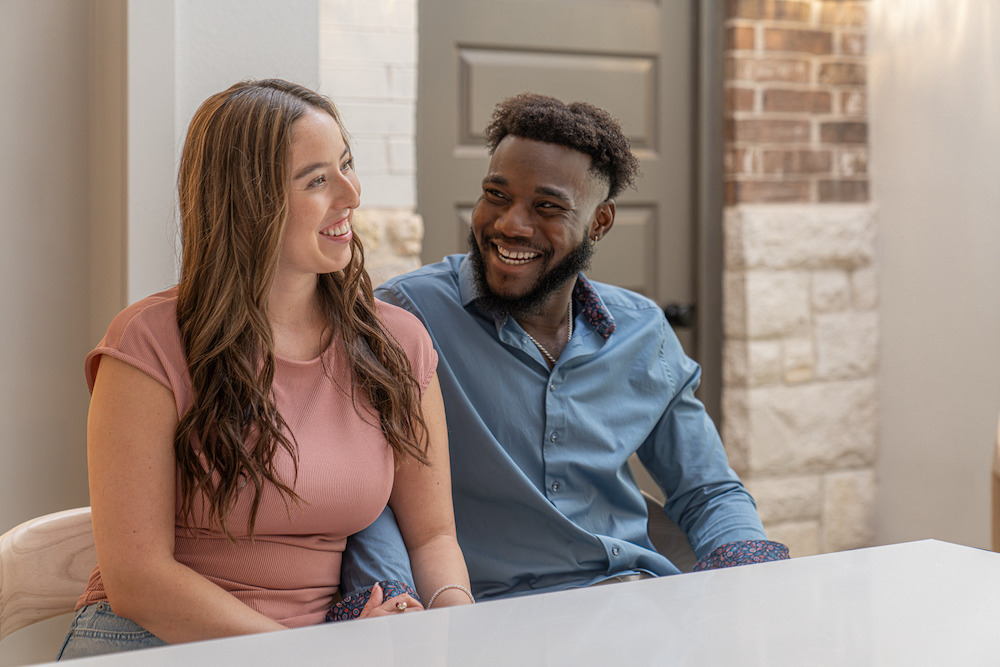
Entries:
{"x":515,"y":221}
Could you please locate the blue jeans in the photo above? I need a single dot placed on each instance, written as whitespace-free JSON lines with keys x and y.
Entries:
{"x":97,"y":630}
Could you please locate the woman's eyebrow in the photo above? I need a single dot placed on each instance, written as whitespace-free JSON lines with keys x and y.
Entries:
{"x":318,"y":165}
{"x":309,"y":169}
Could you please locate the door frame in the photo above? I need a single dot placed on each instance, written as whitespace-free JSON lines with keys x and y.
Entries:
{"x":709,"y":199}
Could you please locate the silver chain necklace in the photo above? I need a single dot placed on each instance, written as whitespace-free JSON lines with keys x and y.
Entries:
{"x":569,"y":335}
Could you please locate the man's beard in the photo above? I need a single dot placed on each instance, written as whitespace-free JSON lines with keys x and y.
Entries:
{"x":533,"y":301}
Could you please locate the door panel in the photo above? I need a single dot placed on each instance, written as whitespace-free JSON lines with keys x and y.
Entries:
{"x":492,"y":75}
{"x":635,"y":59}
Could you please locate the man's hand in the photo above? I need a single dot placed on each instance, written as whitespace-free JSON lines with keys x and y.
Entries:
{"x":377,"y":605}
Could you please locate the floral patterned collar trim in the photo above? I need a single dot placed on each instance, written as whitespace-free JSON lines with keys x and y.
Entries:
{"x":593,"y":308}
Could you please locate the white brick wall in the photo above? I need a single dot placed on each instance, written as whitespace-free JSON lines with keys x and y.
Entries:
{"x":368,"y":66}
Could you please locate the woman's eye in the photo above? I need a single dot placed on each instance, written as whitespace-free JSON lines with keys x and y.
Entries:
{"x":319,"y":180}
{"x":347,"y":166}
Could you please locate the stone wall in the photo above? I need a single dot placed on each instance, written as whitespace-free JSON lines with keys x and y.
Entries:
{"x":392,"y":239}
{"x":800,"y":358}
{"x":801,"y":326}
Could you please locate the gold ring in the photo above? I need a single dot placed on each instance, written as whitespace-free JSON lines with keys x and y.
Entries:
{"x":401,"y":606}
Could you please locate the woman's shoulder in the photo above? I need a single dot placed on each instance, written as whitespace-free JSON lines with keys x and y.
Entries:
{"x":411,"y":335}
{"x":156,"y":313}
{"x":400,"y":320}
{"x":145,"y":335}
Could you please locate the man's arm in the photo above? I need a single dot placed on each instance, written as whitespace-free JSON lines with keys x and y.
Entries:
{"x":704,"y":496}
{"x":376,"y":554}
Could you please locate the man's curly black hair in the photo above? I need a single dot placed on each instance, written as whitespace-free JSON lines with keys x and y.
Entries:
{"x":580,"y":126}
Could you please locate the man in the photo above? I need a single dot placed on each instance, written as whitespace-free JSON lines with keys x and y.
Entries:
{"x":551,"y":382}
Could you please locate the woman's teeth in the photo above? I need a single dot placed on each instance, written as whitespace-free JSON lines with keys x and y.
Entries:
{"x":339,"y":230}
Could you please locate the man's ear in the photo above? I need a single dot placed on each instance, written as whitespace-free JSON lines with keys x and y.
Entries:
{"x":604,"y":219}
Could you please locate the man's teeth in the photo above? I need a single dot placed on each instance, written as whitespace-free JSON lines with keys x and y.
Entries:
{"x":339,"y":230}
{"x":515,"y":256}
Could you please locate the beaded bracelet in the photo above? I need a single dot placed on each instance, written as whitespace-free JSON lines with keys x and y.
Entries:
{"x":430,"y":603}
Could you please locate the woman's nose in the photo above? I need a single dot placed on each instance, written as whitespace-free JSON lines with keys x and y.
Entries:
{"x":349,"y":194}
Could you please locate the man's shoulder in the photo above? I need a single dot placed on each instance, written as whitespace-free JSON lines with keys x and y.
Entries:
{"x":432,"y":283}
{"x":445,"y":272}
{"x":625,"y":301}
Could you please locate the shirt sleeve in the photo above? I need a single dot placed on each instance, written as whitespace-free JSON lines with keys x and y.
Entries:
{"x":685,"y":456}
{"x":376,"y":554}
{"x":745,"y":552}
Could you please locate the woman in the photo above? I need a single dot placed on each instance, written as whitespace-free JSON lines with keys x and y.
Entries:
{"x":245,"y":422}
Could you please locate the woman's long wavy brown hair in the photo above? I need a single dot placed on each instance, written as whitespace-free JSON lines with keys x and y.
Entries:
{"x":232,"y":184}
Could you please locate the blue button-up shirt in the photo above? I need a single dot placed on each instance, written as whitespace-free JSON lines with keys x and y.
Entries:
{"x":544,"y":496}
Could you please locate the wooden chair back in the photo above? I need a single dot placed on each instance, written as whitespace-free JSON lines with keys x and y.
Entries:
{"x":44,"y":567}
{"x":667,"y":537}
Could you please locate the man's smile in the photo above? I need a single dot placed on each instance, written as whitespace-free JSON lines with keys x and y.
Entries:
{"x":515,"y":257}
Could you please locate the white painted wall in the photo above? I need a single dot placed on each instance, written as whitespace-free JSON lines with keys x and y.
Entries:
{"x":180,"y":53}
{"x":151,"y":229}
{"x":935,"y":115}
{"x":43,"y":268}
{"x":43,"y":256}
{"x":59,"y":293}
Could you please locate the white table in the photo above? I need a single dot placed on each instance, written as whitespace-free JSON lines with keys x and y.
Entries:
{"x":919,"y":603}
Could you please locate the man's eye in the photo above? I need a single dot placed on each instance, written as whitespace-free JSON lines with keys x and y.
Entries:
{"x":495,"y":194}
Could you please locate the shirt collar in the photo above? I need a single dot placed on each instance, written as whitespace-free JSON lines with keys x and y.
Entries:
{"x":592,"y":306}
{"x":594,"y":311}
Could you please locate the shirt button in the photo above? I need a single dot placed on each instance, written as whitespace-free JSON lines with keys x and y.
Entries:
{"x":552,"y":387}
{"x":614,"y":551}
{"x":554,"y":436}
{"x":555,"y":487}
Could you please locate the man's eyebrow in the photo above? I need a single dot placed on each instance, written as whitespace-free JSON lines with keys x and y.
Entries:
{"x":495,"y":178}
{"x":550,"y":191}
{"x":317,"y":165}
{"x":546,"y":190}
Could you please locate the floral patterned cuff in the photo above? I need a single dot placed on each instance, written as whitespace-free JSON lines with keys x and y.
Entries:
{"x":351,"y":606}
{"x":744,"y":552}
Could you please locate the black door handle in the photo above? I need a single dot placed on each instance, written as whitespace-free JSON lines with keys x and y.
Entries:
{"x":680,"y":314}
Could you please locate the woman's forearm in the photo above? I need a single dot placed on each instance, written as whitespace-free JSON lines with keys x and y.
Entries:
{"x":179,"y":605}
{"x":439,"y":563}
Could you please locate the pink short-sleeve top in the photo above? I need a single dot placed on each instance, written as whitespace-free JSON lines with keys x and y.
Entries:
{"x":291,"y":570}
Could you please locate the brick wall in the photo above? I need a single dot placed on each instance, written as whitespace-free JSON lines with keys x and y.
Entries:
{"x":801,"y":327}
{"x":796,"y":110}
